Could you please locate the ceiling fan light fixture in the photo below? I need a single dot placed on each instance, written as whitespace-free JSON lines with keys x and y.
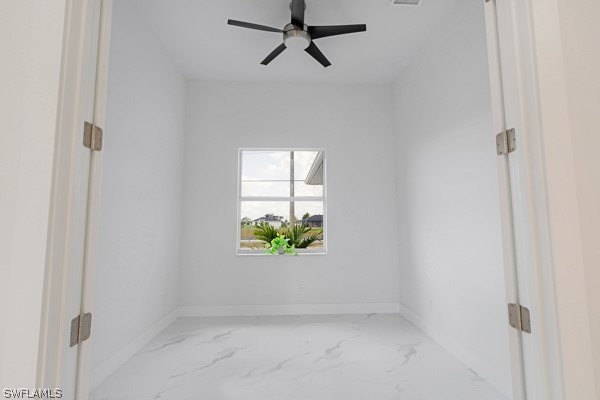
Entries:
{"x":296,"y":39}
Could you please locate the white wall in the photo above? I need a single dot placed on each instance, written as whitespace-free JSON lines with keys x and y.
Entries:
{"x":137,"y":272}
{"x":581,"y":47}
{"x":31,"y":40}
{"x":31,"y":35}
{"x":355,"y":125}
{"x":451,"y":278}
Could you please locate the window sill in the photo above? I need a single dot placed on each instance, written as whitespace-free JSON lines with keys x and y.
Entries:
{"x":301,"y":252}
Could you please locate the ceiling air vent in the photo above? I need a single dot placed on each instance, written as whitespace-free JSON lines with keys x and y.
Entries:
{"x":406,"y":2}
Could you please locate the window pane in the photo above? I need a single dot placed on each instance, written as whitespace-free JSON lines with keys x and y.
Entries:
{"x":308,"y":173}
{"x":265,"y":165}
{"x":302,"y":189}
{"x":253,"y":213}
{"x":265,"y":189}
{"x":266,"y":173}
{"x":276,"y":214}
{"x":309,"y":215}
{"x":279,"y":189}
{"x":255,"y":210}
{"x":303,"y":161}
{"x":309,"y":212}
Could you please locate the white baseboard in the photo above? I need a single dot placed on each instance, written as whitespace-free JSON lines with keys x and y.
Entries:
{"x":291,"y":309}
{"x":471,"y":360}
{"x":106,"y":369}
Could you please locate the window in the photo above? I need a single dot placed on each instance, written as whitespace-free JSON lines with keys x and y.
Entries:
{"x":282,"y":191}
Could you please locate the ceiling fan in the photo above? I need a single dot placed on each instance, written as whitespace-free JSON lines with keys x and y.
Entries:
{"x":299,"y":35}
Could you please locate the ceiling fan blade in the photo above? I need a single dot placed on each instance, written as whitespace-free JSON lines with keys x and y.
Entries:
{"x":314,"y":51}
{"x":298,"y":8}
{"x":274,"y":54}
{"x":253,"y":26}
{"x":317,"y":32}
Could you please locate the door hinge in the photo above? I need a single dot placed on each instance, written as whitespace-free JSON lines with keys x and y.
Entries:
{"x":506,"y":142}
{"x":81,"y":328}
{"x":92,"y":136}
{"x":519,"y":318}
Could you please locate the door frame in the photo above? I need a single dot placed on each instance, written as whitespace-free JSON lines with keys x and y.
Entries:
{"x":84,"y":353}
{"x":554,"y":280}
{"x":70,"y":250}
{"x":509,"y":248}
{"x":558,"y":363}
{"x":560,"y":275}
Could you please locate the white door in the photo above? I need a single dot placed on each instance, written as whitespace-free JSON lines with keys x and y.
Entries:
{"x":506,"y":198}
{"x":71,"y":221}
{"x":536,"y":367}
{"x":93,"y":199}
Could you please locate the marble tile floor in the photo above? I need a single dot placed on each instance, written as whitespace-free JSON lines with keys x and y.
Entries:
{"x":309,"y":357}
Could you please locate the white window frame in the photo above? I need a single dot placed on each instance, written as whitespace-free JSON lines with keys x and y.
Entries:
{"x":240,"y":199}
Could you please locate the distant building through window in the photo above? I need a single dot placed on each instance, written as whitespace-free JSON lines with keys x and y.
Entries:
{"x":273,"y":220}
{"x":314,"y":221}
{"x":281,"y":192}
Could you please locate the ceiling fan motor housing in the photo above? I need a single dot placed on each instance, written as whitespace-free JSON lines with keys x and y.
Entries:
{"x":295,"y":37}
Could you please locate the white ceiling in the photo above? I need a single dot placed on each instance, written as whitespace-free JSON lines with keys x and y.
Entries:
{"x":195,"y":33}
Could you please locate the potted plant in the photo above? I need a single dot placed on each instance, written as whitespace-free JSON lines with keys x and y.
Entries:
{"x":280,"y":245}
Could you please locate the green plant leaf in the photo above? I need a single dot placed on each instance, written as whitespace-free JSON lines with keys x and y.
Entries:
{"x":265,"y":232}
{"x":280,"y":242}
